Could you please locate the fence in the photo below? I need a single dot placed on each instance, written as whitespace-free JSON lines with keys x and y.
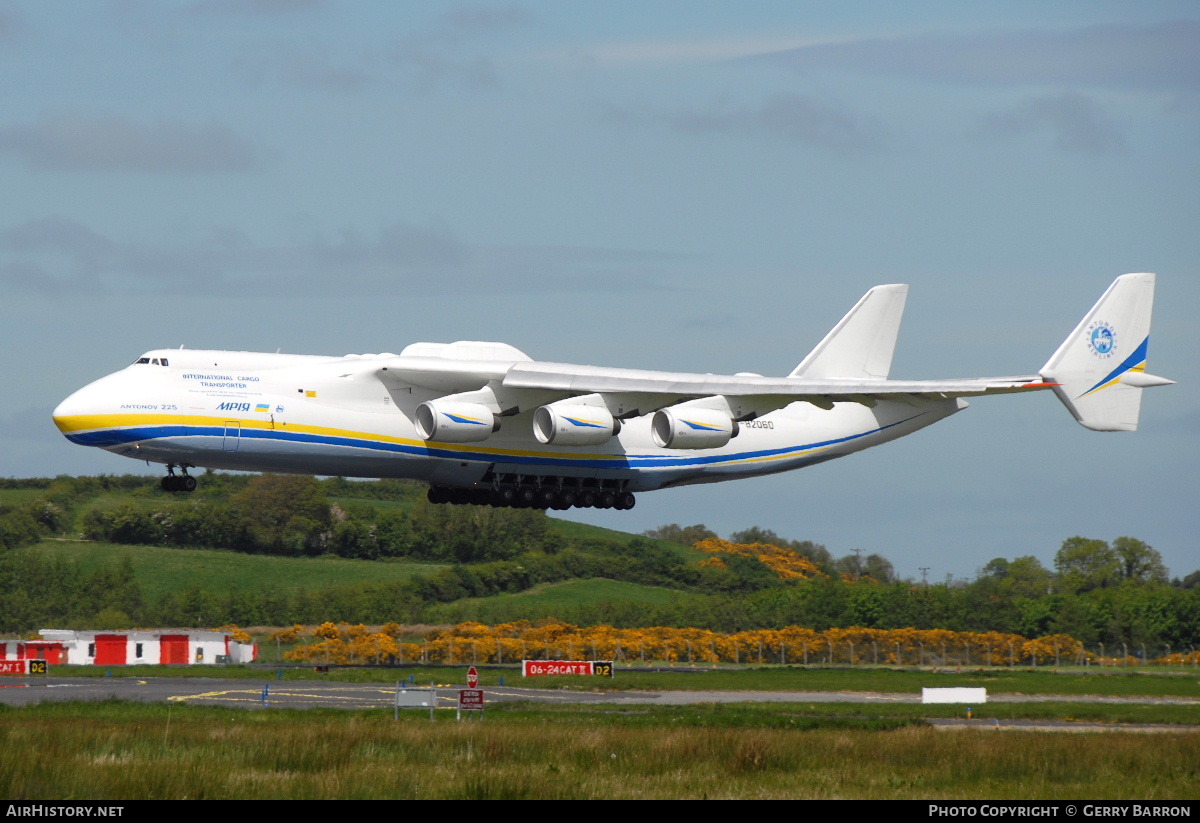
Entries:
{"x":475,"y":643}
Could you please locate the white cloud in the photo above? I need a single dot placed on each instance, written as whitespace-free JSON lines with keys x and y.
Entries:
{"x":1075,"y":120}
{"x":60,"y":255}
{"x":1157,"y":56}
{"x":71,"y":141}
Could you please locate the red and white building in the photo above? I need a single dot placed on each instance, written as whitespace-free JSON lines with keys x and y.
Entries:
{"x":87,"y":648}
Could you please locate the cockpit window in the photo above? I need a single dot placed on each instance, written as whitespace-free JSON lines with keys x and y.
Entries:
{"x":141,"y":361}
{"x":157,"y":361}
{"x":164,"y":361}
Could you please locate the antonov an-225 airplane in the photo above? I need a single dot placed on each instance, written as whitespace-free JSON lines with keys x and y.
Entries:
{"x":483,"y":423}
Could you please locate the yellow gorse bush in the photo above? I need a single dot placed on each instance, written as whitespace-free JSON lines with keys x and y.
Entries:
{"x":787,"y":563}
{"x":509,"y":642}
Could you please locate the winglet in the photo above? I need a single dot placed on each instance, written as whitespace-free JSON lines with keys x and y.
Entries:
{"x":1101,"y":366}
{"x":862,"y":343}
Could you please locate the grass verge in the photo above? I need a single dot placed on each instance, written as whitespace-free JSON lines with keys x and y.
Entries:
{"x":118,"y":751}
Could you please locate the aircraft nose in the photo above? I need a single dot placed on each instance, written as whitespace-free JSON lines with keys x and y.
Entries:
{"x":70,"y":413}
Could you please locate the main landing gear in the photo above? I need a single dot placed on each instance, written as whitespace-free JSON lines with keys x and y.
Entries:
{"x":178,"y":482}
{"x":524,"y":494}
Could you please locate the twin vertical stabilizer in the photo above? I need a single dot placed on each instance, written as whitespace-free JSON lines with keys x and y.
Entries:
{"x":862,"y":344}
{"x":1100,"y":368}
{"x":1098,"y":372}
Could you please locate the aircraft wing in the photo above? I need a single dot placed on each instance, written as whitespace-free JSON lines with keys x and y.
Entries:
{"x":572,"y":379}
{"x":508,"y":386}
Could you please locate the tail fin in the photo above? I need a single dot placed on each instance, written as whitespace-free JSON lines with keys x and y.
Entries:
{"x":862,"y":344}
{"x":1100,"y":368}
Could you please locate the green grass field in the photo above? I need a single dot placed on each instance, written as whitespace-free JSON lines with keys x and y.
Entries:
{"x":118,"y":751}
{"x":161,"y":570}
{"x":564,"y":596}
{"x":15,"y":497}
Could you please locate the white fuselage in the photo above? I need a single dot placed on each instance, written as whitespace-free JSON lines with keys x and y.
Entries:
{"x":335,"y":416}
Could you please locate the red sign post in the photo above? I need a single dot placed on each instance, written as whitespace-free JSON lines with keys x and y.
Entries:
{"x":536,"y":668}
{"x":23,"y":667}
{"x":470,"y":700}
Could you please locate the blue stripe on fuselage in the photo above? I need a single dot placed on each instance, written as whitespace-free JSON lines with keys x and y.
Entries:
{"x":115,"y":437}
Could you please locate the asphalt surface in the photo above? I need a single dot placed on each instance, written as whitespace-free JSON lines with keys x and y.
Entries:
{"x":307,"y":694}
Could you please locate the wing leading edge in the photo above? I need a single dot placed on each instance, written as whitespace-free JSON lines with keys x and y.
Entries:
{"x":572,"y":379}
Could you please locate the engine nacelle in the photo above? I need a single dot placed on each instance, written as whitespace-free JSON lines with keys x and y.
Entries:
{"x":572,"y":424}
{"x":448,"y":421}
{"x":690,"y":427}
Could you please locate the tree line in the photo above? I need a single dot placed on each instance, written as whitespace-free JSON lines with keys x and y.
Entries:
{"x":1097,"y":592}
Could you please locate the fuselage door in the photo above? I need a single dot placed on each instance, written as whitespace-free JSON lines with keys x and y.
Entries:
{"x":233,"y":436}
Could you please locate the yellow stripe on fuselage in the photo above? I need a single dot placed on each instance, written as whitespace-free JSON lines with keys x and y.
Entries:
{"x":100,"y":422}
{"x":773,"y":457}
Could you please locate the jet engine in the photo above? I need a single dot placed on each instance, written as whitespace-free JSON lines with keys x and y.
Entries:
{"x":448,"y":421}
{"x":690,"y":427}
{"x":573,"y":424}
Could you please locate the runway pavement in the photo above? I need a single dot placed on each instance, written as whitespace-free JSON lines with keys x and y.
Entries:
{"x":304,"y":694}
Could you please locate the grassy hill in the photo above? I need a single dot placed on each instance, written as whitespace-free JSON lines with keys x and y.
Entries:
{"x":160,"y":570}
{"x":469,"y":561}
{"x":563,"y":599}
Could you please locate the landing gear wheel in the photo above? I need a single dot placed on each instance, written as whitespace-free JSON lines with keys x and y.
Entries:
{"x":625,"y":501}
{"x":170,"y":483}
{"x":586,"y":499}
{"x":606,"y":499}
{"x":503,"y":496}
{"x":544,"y":498}
{"x":187,"y":483}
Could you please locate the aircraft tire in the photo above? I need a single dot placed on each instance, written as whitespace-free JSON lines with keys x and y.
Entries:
{"x":606,"y":499}
{"x":625,"y":501}
{"x":504,"y":496}
{"x":187,"y":483}
{"x":545,"y":497}
{"x":168,"y":483}
{"x":586,"y":500}
{"x":525,"y":496}
{"x":566,"y":499}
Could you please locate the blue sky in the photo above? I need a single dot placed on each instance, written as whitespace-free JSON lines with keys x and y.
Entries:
{"x":690,"y":186}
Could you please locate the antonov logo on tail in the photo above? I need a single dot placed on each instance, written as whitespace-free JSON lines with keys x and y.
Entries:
{"x":483,"y":423}
{"x":1102,"y":339}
